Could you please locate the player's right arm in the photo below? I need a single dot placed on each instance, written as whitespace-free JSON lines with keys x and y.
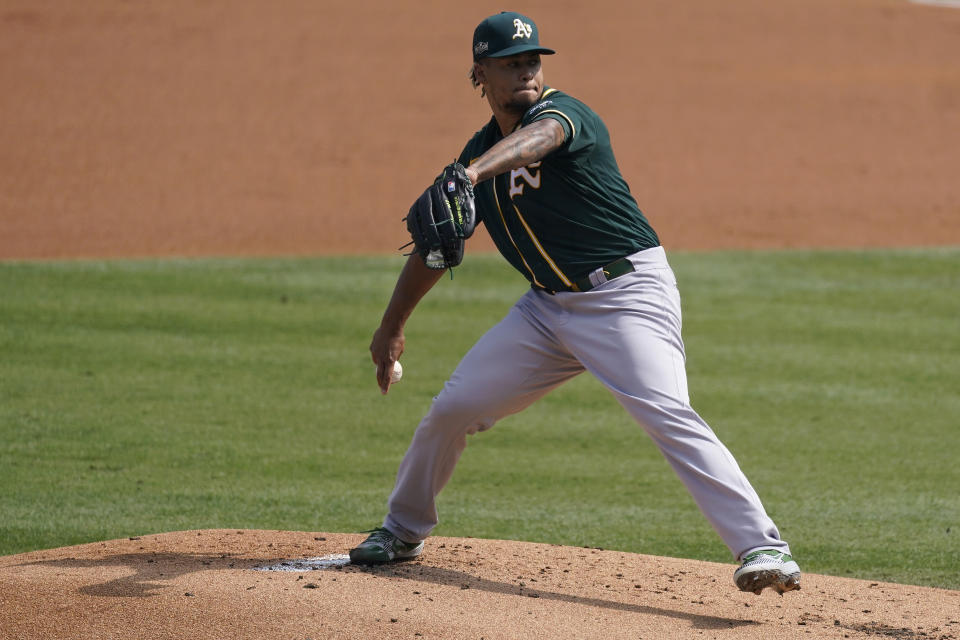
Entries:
{"x":388,"y":340}
{"x":519,"y":149}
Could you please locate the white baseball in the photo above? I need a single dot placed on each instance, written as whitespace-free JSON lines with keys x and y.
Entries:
{"x":397,"y":372}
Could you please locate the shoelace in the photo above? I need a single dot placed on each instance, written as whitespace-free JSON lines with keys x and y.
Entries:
{"x":765,"y":557}
{"x":381,"y":537}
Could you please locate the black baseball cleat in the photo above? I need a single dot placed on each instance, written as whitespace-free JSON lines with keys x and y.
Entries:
{"x":382,"y":546}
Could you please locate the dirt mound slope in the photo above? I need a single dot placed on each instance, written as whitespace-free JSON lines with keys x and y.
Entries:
{"x":203,"y":584}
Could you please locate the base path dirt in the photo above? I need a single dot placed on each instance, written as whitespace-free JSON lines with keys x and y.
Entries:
{"x":205,"y":584}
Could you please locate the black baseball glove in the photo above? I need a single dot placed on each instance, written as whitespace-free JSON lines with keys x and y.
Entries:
{"x":442,"y":218}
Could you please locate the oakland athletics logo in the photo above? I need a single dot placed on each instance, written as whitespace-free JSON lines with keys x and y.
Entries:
{"x":525,"y":178}
{"x":524,"y":30}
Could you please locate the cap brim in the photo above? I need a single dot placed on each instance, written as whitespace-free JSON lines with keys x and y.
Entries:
{"x":520,"y":48}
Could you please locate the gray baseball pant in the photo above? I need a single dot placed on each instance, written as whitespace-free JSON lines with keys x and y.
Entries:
{"x":627,"y":333}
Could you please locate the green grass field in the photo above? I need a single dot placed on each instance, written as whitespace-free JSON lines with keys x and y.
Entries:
{"x":140,"y":397}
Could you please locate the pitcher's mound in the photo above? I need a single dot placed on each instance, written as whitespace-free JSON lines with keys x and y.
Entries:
{"x":247,"y":584}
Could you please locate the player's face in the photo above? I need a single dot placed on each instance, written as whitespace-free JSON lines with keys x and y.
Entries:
{"x":514,"y":83}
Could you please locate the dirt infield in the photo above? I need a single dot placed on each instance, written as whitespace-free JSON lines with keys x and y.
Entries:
{"x":237,"y":128}
{"x":223,"y":128}
{"x":202,"y":584}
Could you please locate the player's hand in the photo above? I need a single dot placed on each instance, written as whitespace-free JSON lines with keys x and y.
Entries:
{"x":385,"y":349}
{"x":442,"y":218}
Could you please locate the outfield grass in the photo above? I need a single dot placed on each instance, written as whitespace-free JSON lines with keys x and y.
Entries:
{"x":148,"y":396}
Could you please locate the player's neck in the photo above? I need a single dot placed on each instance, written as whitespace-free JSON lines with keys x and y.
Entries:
{"x":507,"y":121}
{"x":508,"y":116}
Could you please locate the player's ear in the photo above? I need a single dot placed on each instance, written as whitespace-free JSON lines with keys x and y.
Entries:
{"x":479,"y":77}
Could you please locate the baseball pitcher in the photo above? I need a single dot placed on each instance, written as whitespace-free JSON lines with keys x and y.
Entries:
{"x":542,"y":177}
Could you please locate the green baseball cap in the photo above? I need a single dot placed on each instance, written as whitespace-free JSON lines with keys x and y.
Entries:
{"x":505,"y":34}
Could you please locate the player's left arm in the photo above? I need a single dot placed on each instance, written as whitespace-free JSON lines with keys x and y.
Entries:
{"x":524,"y":146}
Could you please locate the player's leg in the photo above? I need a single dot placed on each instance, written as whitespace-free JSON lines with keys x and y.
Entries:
{"x":627,"y":333}
{"x":512,"y":365}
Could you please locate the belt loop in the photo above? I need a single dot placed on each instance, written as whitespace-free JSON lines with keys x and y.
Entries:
{"x":604,"y":274}
{"x":598,"y":276}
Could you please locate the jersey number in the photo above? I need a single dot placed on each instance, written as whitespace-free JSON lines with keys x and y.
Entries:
{"x":519,"y":178}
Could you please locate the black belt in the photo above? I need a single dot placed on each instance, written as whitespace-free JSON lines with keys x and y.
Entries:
{"x":615,"y":269}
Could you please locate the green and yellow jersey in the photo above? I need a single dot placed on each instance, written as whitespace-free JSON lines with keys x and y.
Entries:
{"x":559,"y":219}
